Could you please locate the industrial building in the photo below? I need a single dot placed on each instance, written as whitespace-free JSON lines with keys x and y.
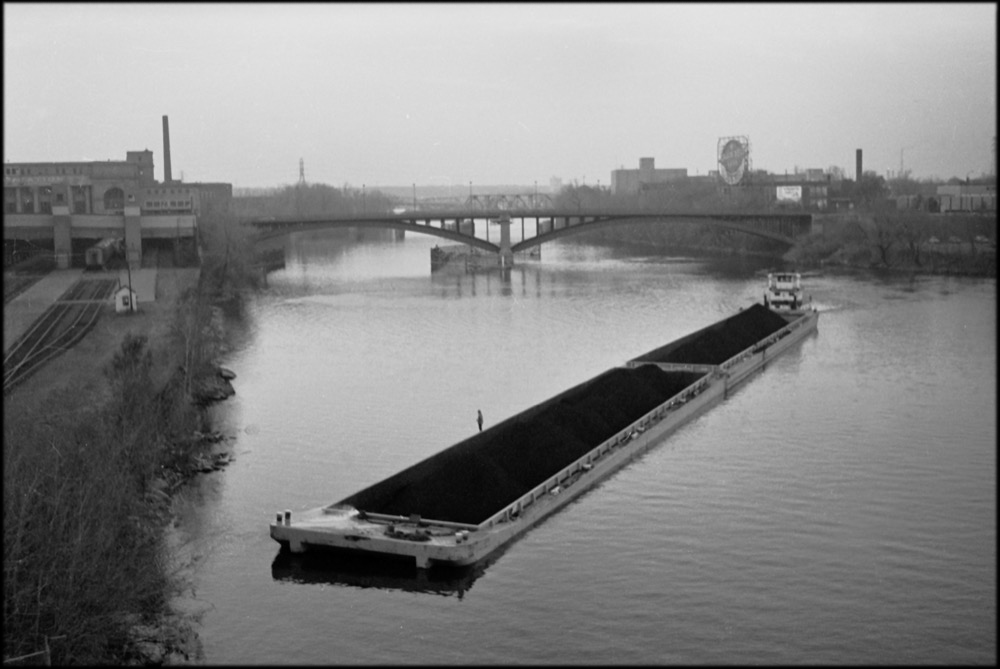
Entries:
{"x":967,"y":198}
{"x":808,"y":189}
{"x":97,"y":199}
{"x":632,"y":181}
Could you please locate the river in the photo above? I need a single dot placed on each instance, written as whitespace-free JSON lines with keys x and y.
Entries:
{"x":840,"y":507}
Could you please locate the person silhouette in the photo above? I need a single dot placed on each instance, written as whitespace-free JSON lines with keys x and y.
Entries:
{"x":479,"y":419}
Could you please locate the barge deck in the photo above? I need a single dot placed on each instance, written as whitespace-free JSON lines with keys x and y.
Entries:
{"x":464,"y":503}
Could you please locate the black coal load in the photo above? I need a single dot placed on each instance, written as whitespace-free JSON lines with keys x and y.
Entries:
{"x":474,"y":479}
{"x":721,"y":341}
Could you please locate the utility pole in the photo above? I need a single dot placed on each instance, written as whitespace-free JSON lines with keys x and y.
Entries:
{"x":131,"y":298}
{"x":900,"y":175}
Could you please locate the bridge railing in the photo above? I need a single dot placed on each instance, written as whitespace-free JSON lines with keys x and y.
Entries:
{"x":548,"y":221}
{"x":762,"y":344}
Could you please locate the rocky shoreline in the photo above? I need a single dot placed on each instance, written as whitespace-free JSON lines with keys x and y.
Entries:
{"x":172,"y":638}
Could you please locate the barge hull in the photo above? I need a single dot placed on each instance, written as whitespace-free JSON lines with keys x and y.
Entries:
{"x":430,"y":542}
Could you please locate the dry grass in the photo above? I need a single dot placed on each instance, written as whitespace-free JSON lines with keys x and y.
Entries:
{"x":82,"y":527}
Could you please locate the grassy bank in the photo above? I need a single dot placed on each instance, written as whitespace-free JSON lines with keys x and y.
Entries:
{"x":90,"y":459}
{"x":902,"y":241}
{"x":83,"y":513}
{"x":880,"y":239}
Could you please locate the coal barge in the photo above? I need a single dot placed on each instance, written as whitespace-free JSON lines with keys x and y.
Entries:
{"x":462,"y":504}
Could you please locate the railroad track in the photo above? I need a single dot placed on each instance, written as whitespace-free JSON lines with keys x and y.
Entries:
{"x":62,"y":326}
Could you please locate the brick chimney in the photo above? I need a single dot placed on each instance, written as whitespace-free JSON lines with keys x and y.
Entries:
{"x":166,"y":151}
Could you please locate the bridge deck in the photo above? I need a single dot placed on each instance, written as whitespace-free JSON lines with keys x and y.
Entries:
{"x":549,"y":224}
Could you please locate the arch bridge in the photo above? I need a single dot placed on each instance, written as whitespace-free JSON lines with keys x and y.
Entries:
{"x":549,"y":225}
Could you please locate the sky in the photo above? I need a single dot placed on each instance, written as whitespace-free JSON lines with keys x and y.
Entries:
{"x":453,"y":94}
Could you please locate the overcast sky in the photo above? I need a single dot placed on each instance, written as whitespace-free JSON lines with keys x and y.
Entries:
{"x":395,"y":94}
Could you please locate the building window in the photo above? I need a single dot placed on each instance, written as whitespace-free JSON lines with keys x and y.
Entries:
{"x":114,"y":198}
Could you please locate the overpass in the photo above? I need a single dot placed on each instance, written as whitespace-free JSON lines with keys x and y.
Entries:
{"x":130,"y":224}
{"x":472,"y":226}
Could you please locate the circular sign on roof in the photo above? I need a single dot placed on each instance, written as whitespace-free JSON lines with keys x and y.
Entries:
{"x":733,"y":154}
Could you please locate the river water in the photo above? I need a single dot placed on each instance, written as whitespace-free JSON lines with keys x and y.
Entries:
{"x":840,"y":507}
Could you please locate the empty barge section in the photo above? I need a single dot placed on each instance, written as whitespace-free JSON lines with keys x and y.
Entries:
{"x":471,"y":481}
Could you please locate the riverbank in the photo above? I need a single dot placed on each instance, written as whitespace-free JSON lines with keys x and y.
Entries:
{"x":904,"y":242}
{"x":898,"y":241}
{"x":95,"y":444}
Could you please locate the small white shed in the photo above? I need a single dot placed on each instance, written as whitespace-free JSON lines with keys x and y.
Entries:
{"x":125,"y":300}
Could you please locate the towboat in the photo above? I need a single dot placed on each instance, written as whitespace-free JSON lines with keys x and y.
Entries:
{"x":462,"y":504}
{"x":784,"y":291}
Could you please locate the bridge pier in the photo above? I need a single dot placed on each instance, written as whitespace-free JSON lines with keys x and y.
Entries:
{"x":506,"y":254}
{"x":62,"y":244}
{"x":133,"y":237}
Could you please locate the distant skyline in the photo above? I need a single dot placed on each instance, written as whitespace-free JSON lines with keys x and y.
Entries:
{"x":447,"y":94}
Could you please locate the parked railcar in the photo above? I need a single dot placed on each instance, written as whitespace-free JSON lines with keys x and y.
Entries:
{"x":104,"y":253}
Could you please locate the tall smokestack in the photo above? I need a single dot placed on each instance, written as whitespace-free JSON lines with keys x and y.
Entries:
{"x":857,"y":160}
{"x":166,"y":151}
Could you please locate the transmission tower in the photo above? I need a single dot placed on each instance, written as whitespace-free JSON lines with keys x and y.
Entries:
{"x":302,"y":172}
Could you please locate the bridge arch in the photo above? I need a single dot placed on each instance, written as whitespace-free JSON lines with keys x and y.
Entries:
{"x":623,"y":219}
{"x":383,"y":224}
{"x":448,"y":225}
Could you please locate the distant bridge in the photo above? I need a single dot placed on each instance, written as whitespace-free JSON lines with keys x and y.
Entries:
{"x":549,"y":225}
{"x":505,"y":202}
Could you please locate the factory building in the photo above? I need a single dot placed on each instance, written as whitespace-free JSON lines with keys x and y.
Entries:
{"x":965,"y":198}
{"x":103,"y":187}
{"x":808,"y":189}
{"x":98,"y":199}
{"x":96,"y":187}
{"x":632,"y":181}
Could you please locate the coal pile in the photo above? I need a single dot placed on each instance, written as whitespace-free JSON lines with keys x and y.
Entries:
{"x":723,"y":340}
{"x":471,"y":481}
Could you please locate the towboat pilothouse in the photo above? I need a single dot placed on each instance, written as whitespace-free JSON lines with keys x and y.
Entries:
{"x":784,"y":291}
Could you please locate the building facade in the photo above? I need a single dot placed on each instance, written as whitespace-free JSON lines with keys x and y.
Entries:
{"x":809,"y":189}
{"x":632,"y":181}
{"x":104,"y":187}
{"x":968,"y":198}
{"x":62,"y":201}
{"x":96,"y":187}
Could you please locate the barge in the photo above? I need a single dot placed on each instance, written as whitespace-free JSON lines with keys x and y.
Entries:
{"x":462,"y":504}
